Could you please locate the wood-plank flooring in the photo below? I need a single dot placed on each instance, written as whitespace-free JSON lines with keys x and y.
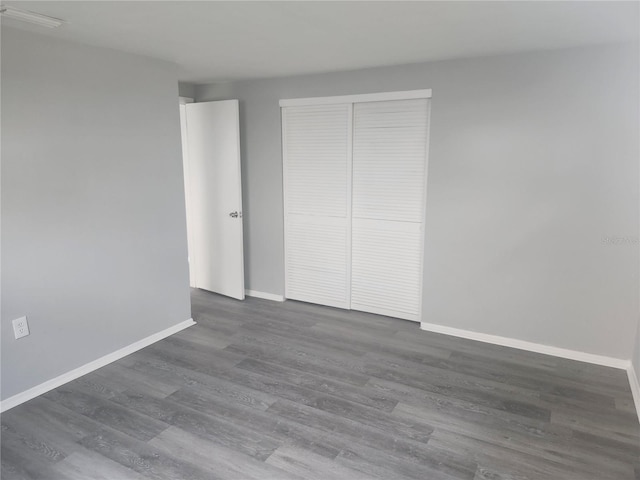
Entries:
{"x":266,"y":390}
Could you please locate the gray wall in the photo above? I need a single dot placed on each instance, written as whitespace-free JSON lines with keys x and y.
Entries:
{"x":635,"y":359}
{"x":93,"y":222}
{"x":186,"y":90}
{"x":533,"y":162}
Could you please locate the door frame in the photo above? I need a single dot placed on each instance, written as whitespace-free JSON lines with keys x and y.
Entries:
{"x":191,"y":260}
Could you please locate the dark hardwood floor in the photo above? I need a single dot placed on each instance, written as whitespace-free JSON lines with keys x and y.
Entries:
{"x":264,"y":390}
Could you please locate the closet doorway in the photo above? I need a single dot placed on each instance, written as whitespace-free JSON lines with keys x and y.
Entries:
{"x":355,"y":170}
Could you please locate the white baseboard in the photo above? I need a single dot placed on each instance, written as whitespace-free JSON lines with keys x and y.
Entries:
{"x":635,"y":388}
{"x":530,"y":346}
{"x":266,"y":296}
{"x":56,"y":382}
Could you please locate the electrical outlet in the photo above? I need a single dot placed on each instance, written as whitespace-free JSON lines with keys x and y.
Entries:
{"x":20,"y":327}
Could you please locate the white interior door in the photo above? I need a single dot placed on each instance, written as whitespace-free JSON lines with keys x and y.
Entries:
{"x":215,"y":197}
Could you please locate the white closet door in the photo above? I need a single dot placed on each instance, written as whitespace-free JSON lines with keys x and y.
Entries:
{"x":389,"y":175}
{"x":317,"y":203}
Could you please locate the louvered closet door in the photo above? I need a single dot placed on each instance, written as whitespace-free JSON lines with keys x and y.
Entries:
{"x":389,"y":174}
{"x":317,"y":165}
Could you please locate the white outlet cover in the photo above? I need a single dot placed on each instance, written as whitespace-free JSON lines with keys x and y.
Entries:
{"x":20,"y":327}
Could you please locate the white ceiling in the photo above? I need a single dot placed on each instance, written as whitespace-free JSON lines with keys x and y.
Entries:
{"x":220,"y":41}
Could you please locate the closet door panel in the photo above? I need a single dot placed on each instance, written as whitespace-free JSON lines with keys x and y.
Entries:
{"x":317,"y":203}
{"x":389,"y":146}
{"x":389,"y":174}
{"x":317,"y":256}
{"x":316,"y":143}
{"x":386,"y":268}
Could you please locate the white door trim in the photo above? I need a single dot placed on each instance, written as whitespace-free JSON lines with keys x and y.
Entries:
{"x":285,"y":229}
{"x":365,"y":97}
{"x":424,"y":212}
{"x":349,"y":225}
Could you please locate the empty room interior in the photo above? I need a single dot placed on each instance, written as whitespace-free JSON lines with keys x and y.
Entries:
{"x":320,"y":240}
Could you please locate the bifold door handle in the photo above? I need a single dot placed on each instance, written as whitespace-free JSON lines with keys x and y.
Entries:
{"x":233,"y":214}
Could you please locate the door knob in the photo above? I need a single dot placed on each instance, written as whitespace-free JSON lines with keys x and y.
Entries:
{"x":233,"y":214}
